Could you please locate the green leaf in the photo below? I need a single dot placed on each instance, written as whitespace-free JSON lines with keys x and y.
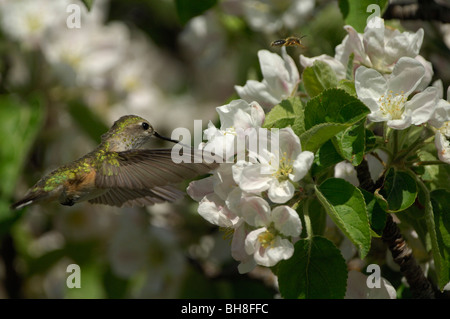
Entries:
{"x":371,"y":141}
{"x":351,"y":143}
{"x":440,"y":200}
{"x":436,"y":176}
{"x":317,"y":216}
{"x":88,"y":3}
{"x":20,"y":122}
{"x":288,"y":113}
{"x":334,"y":106}
{"x":436,"y":219}
{"x":398,"y":193}
{"x":316,"y":270}
{"x":315,"y":137}
{"x":377,"y":216}
{"x":187,"y":9}
{"x":345,"y":205}
{"x":325,"y":157}
{"x":318,"y":77}
{"x":348,"y":86}
{"x":329,"y":113}
{"x":355,"y":12}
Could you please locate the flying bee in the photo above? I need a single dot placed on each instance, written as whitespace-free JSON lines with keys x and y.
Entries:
{"x":288,"y":42}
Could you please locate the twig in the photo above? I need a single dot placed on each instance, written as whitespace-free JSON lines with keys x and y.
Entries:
{"x":421,"y":10}
{"x":420,"y":287}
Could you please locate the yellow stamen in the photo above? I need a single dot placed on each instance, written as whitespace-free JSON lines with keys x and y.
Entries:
{"x":392,"y":105}
{"x":284,"y":169}
{"x":266,"y":239}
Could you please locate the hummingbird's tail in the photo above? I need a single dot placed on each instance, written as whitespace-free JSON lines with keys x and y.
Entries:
{"x":29,"y":199}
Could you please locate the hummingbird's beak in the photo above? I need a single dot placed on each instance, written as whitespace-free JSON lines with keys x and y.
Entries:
{"x":165,"y":138}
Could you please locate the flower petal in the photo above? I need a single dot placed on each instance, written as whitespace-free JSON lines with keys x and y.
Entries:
{"x":334,"y":63}
{"x":252,"y":243}
{"x":443,"y":147}
{"x":289,"y":143}
{"x":278,"y":73}
{"x":423,"y":105}
{"x":301,"y":165}
{"x":406,"y":76}
{"x":200,"y":188}
{"x":370,"y":86}
{"x":247,"y":265}
{"x":373,"y":40}
{"x":352,"y":43}
{"x":255,"y":211}
{"x":426,"y":80}
{"x":286,"y":220}
{"x":222,"y":145}
{"x":214,"y":210}
{"x":291,"y":67}
{"x":280,"y":192}
{"x":257,"y":91}
{"x":257,"y":113}
{"x":281,"y":249}
{"x":405,"y":44}
{"x":238,"y":243}
{"x":441,"y":114}
{"x":237,"y":170}
{"x":253,"y":181}
{"x":400,"y":124}
{"x":235,"y":111}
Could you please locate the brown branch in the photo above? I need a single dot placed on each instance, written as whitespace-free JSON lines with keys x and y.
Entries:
{"x":421,"y":10}
{"x":419,"y":285}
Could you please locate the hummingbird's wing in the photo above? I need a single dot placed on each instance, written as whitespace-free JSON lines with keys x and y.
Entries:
{"x":145,"y":169}
{"x":139,"y":197}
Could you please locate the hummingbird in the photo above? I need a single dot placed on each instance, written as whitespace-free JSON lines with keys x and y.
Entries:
{"x":118,"y":172}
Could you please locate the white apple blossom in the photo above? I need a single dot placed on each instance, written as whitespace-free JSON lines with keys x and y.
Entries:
{"x":387,"y":98}
{"x":441,"y":121}
{"x":441,"y":113}
{"x":236,"y":119}
{"x":260,"y":235}
{"x":278,"y":169}
{"x":212,"y":193}
{"x":30,"y":20}
{"x":379,"y":47}
{"x":442,"y":142}
{"x":247,"y":262}
{"x":335,"y":64}
{"x":280,"y":80}
{"x":204,"y":39}
{"x":85,"y":56}
{"x":268,"y":243}
{"x":270,"y":16}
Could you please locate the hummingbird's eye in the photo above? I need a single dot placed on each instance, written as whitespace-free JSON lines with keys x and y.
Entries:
{"x":145,"y":126}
